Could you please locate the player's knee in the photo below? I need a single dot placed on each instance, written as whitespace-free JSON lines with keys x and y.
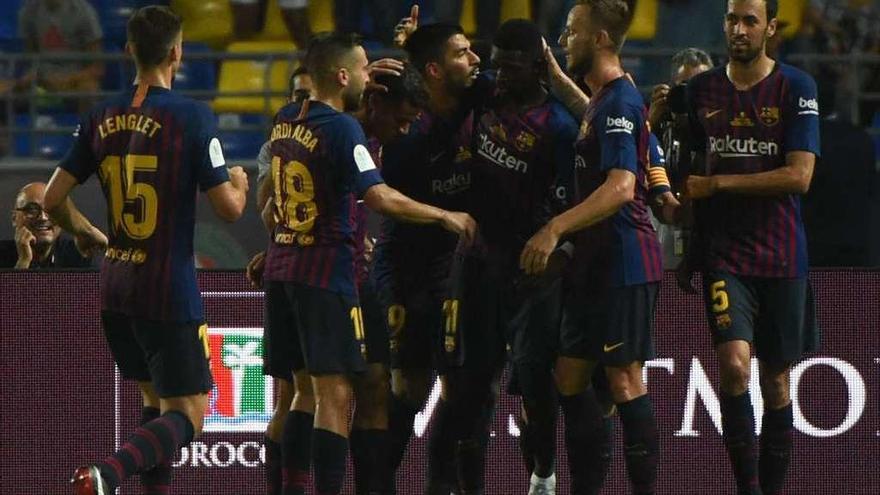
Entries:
{"x":735,"y":375}
{"x":333,"y":393}
{"x":775,"y":388}
{"x":571,"y":376}
{"x":625,"y":382}
{"x":372,"y":399}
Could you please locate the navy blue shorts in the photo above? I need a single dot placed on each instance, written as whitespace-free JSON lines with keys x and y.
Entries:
{"x":173,"y":356}
{"x":777,"y":315}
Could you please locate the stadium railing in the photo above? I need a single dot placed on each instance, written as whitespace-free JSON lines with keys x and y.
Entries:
{"x":646,"y":62}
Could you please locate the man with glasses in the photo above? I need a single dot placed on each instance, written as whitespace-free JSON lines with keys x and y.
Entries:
{"x":38,"y":243}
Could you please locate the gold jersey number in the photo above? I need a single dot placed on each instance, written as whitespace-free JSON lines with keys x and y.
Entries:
{"x":295,"y":207}
{"x":117,"y":176}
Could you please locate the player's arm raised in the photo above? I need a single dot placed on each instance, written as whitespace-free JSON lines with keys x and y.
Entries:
{"x":563,"y":87}
{"x":90,"y":240}
{"x":389,"y":201}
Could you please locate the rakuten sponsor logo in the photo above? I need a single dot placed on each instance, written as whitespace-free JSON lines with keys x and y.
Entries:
{"x":731,"y":147}
{"x":498,"y":155}
{"x":453,"y":185}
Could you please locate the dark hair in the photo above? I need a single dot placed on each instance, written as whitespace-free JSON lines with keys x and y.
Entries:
{"x":153,"y":30}
{"x":428,"y":43}
{"x":612,"y":16}
{"x":772,"y":9}
{"x":690,"y":57}
{"x":327,"y":53}
{"x":408,"y":86}
{"x":300,"y":71}
{"x":519,"y":35}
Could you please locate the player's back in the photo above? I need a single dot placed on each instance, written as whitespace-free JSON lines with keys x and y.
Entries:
{"x":320,"y":164}
{"x":151,"y":149}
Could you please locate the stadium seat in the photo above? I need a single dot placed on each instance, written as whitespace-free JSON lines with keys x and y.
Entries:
{"x":242,"y":144}
{"x":468,"y":17}
{"x":114,"y":15}
{"x":791,"y":12}
{"x":9,"y":19}
{"x":321,"y":16}
{"x":49,"y":146}
{"x":251,"y":75}
{"x":194,"y":73}
{"x":516,"y":9}
{"x":205,"y":21}
{"x":644,"y":25}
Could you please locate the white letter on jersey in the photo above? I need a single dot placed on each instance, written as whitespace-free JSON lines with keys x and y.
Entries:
{"x":363,"y":159}
{"x":215,"y":151}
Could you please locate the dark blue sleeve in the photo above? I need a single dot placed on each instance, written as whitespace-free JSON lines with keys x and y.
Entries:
{"x":801,"y":117}
{"x":618,"y":129}
{"x":209,"y":161}
{"x":80,"y":159}
{"x":350,"y":152}
{"x":564,"y":131}
{"x":655,"y":152}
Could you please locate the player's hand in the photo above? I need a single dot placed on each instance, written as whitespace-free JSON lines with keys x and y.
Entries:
{"x":684,"y":275}
{"x":90,"y":243}
{"x":238,"y":178}
{"x":536,"y":254}
{"x":369,"y":248}
{"x":255,"y":269}
{"x":462,"y":224}
{"x":406,"y":27}
{"x":384,"y":66}
{"x":700,"y":187}
{"x":659,"y":105}
{"x":553,"y":68}
{"x":24,"y":243}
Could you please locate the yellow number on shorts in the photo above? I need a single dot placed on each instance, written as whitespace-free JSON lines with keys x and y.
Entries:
{"x":357,"y":320}
{"x":117,"y":177}
{"x":396,"y":317}
{"x":720,"y":302}
{"x":450,"y":316}
{"x":203,"y":336}
{"x":294,"y":195}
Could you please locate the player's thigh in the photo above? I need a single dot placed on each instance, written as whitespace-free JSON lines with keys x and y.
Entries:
{"x":731,"y":307}
{"x":330,"y":328}
{"x":281,"y":351}
{"x":124,"y":346}
{"x":532,"y":325}
{"x":786,"y":325}
{"x":177,"y":354}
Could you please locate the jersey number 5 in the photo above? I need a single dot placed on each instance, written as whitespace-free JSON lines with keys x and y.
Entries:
{"x":117,"y":177}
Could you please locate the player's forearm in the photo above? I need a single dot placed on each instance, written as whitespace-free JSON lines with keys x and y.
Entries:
{"x":565,"y":89}
{"x":784,"y":180}
{"x":605,"y":201}
{"x":69,"y":218}
{"x":390,"y":202}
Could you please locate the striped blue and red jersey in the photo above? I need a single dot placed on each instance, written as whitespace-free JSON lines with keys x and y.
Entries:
{"x":523,"y":163}
{"x":152,"y":149}
{"x":621,"y":250}
{"x":747,"y":132}
{"x":320,"y":168}
{"x":368,"y":221}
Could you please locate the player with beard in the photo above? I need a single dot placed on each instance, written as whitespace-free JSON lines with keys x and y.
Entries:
{"x":320,"y":166}
{"x":613,"y":283}
{"x":412,"y":263}
{"x":755,"y":123}
{"x":523,"y":154}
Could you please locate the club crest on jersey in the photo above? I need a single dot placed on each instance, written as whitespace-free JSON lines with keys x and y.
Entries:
{"x":769,"y":116}
{"x":723,"y":321}
{"x":525,"y":141}
{"x":463,"y":154}
{"x":742,"y":120}
{"x":497,"y":131}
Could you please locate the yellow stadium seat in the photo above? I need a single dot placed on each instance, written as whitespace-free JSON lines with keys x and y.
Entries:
{"x":321,"y":15}
{"x":251,"y":75}
{"x":205,"y":21}
{"x":792,"y":12}
{"x":644,"y":25}
{"x":468,"y":17}
{"x":516,"y":9}
{"x":274,"y":28}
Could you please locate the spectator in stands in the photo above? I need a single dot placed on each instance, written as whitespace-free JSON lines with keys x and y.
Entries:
{"x":38,"y":243}
{"x":47,"y":26}
{"x":250,"y":15}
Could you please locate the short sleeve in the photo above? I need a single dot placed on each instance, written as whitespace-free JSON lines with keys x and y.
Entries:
{"x":618,"y":129}
{"x":352,"y":154}
{"x":656,"y":156}
{"x":801,"y":117}
{"x":210,"y":163}
{"x":80,"y":159}
{"x":697,"y":140}
{"x":264,"y":161}
{"x":658,"y":182}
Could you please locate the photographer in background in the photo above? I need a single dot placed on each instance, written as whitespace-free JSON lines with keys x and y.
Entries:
{"x":668,"y":118}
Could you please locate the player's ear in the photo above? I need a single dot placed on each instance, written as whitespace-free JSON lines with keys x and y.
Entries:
{"x":129,"y":49}
{"x":433,"y":69}
{"x":771,"y":27}
{"x":342,"y":77}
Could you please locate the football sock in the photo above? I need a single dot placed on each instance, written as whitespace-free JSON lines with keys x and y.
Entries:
{"x":775,"y":449}
{"x":329,"y":454}
{"x":525,"y":444}
{"x":401,"y":416}
{"x":539,"y":401}
{"x":368,"y":457}
{"x":151,"y":444}
{"x":272,"y":466}
{"x":586,"y":442}
{"x":471,"y":463}
{"x":296,"y":452}
{"x":156,"y":481}
{"x":738,"y":423}
{"x":641,"y":443}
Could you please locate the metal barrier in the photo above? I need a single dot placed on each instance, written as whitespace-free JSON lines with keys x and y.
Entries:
{"x":14,"y":102}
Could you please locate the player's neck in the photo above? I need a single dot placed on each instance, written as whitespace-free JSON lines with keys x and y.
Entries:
{"x":442,"y":103}
{"x":528,"y":99}
{"x":160,"y":77}
{"x":744,"y":75}
{"x":333,"y":101}
{"x":606,"y":68}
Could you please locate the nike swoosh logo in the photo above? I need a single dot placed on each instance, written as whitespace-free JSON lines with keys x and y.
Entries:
{"x":709,"y":115}
{"x":609,"y":348}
